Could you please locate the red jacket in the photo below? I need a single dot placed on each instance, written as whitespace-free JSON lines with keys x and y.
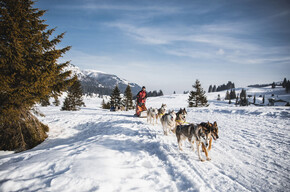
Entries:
{"x":141,"y":97}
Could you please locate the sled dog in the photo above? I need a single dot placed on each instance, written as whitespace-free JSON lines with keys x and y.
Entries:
{"x":194,"y":133}
{"x":180,"y":118}
{"x":168,"y":121}
{"x":152,"y":115}
{"x":161,"y":111}
{"x":214,"y":132}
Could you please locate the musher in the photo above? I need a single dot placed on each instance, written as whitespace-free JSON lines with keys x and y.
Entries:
{"x":141,"y":100}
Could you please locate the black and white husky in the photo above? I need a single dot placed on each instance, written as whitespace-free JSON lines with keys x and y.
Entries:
{"x":168,"y":122}
{"x":194,"y":133}
{"x":181,"y":116}
{"x":152,"y":115}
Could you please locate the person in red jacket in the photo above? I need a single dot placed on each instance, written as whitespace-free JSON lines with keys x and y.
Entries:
{"x":141,"y":100}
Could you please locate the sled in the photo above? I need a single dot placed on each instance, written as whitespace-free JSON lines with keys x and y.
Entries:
{"x":141,"y":111}
{"x":143,"y":114}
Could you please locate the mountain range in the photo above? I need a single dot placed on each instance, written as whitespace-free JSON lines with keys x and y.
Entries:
{"x":102,"y":83}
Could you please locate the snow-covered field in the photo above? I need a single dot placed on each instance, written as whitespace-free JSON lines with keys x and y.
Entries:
{"x":97,"y":150}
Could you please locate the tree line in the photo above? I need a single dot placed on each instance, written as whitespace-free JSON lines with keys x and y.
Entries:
{"x":155,"y":93}
{"x":222,"y":87}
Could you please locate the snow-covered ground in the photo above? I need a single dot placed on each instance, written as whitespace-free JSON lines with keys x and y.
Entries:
{"x":97,"y":150}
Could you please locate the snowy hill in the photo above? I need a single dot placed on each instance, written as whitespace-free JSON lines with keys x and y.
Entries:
{"x":100,"y":82}
{"x":97,"y":150}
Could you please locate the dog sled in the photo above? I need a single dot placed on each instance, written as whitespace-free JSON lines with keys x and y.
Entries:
{"x":141,"y":110}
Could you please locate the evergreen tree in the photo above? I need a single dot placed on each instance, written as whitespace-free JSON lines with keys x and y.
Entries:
{"x":149,"y":94}
{"x":185,"y":92}
{"x":214,"y":88}
{"x":28,"y":71}
{"x":174,"y":92}
{"x":128,"y":98}
{"x":227,"y":96}
{"x":237,"y":99}
{"x":288,"y":86}
{"x":74,"y":99}
{"x":243,"y":98}
{"x":115,"y":97}
{"x":197,"y":98}
{"x":273,"y":85}
{"x":284,"y":83}
{"x":160,"y":93}
{"x":263,"y":99}
{"x":210,"y":89}
{"x":105,"y":105}
{"x":233,"y":94}
{"x":230,"y":85}
{"x":243,"y":94}
{"x":254,"y":100}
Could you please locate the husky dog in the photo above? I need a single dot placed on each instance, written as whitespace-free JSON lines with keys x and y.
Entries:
{"x":168,"y":121}
{"x":181,"y":116}
{"x":214,"y":131}
{"x":152,"y":115}
{"x":161,"y":111}
{"x":194,"y":133}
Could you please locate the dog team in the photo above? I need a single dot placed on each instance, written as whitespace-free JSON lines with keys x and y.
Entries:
{"x":201,"y":134}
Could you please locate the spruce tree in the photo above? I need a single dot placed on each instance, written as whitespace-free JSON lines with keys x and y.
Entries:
{"x":197,"y":97}
{"x":214,"y":88}
{"x":128,"y":98}
{"x":227,"y":96}
{"x":28,"y":71}
{"x":74,"y":99}
{"x":288,"y":86}
{"x":263,"y":99}
{"x":115,"y":97}
{"x":210,"y":89}
{"x":284,"y":83}
{"x":243,"y":98}
{"x":233,"y":94}
{"x":273,"y":85}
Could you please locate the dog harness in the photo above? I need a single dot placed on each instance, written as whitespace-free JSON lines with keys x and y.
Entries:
{"x":181,"y":122}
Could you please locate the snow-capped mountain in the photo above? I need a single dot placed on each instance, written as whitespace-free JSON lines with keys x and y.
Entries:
{"x":94,"y":81}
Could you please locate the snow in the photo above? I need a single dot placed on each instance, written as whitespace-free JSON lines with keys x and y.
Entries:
{"x":97,"y":150}
{"x":92,"y":73}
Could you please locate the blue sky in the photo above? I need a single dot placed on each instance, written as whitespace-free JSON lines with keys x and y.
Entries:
{"x":169,"y":44}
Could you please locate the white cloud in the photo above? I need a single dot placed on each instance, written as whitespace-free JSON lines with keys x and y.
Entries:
{"x":202,"y":43}
{"x":220,"y":52}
